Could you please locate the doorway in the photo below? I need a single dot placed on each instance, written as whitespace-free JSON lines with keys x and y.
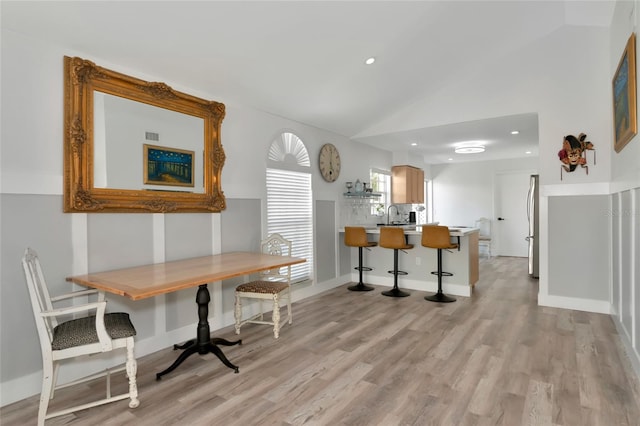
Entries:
{"x":511,"y":225}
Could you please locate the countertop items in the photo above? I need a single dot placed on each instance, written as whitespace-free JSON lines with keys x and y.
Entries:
{"x":413,"y":229}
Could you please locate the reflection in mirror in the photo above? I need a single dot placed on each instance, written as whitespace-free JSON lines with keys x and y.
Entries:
{"x":136,"y":146}
{"x":122,"y":128}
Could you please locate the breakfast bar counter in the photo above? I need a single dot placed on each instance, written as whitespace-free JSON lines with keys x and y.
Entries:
{"x":419,"y":261}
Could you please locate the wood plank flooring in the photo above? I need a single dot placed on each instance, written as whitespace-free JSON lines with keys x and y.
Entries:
{"x":364,"y":359}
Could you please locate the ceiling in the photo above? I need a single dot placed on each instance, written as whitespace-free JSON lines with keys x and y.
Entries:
{"x":304,"y":60}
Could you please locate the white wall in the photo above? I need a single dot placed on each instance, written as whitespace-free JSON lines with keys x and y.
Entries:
{"x":31,"y":193}
{"x":463,"y":193}
{"x":624,"y":208}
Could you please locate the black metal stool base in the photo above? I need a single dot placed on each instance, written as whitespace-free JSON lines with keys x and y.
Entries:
{"x":360,"y":287}
{"x":395,"y":292}
{"x":440,"y":297}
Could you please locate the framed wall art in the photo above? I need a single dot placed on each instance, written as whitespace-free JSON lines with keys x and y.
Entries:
{"x":625,"y":124}
{"x":167,"y":166}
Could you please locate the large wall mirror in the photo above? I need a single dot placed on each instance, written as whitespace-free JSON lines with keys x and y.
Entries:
{"x":137,"y":146}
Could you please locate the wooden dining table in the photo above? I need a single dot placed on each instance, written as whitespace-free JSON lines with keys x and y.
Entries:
{"x":145,"y":281}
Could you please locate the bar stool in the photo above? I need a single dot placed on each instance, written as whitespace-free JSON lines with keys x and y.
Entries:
{"x":394,"y":238}
{"x":356,"y":236}
{"x":437,"y":237}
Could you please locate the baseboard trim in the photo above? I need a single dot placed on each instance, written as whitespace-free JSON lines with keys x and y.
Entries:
{"x":577,"y":304}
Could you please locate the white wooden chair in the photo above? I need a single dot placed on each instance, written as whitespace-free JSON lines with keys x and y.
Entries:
{"x":484,"y":239}
{"x":271,"y":285}
{"x":70,"y":338}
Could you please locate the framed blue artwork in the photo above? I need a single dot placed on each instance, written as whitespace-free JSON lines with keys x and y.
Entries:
{"x":167,"y":166}
{"x":625,"y":123}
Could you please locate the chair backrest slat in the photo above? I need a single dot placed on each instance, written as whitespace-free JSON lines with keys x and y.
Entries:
{"x":40,"y":298}
{"x":276,"y":245}
{"x":484,"y":225}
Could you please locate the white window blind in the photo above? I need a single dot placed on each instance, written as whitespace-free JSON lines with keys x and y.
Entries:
{"x":289,"y":213}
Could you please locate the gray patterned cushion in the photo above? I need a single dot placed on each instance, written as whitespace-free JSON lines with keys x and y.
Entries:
{"x":82,"y":331}
{"x":264,"y":287}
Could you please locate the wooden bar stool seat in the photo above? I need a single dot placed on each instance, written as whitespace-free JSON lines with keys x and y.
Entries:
{"x":394,"y":238}
{"x":356,"y":236}
{"x":438,"y":237}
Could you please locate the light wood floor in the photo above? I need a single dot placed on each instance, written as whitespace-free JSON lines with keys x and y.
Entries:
{"x":365,"y":359}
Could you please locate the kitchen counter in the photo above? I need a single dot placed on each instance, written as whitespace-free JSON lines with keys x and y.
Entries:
{"x":455,"y":231}
{"x":419,"y":261}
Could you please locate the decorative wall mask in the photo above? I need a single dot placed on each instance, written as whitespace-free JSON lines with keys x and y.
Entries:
{"x":574,"y":153}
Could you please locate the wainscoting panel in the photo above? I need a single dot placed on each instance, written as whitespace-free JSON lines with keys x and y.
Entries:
{"x":326,"y":235}
{"x":625,"y":225}
{"x":186,"y":235}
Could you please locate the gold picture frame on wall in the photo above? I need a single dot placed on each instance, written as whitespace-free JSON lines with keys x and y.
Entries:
{"x":625,"y":122}
{"x":82,"y":80}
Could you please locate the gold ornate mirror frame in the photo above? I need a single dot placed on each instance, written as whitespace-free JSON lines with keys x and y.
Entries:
{"x":81,"y":79}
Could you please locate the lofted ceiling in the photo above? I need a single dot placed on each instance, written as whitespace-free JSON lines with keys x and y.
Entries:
{"x":304,"y":60}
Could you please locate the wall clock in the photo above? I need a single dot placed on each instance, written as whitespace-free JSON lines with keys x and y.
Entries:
{"x":329,"y":162}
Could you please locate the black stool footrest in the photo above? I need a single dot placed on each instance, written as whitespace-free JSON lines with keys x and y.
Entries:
{"x":444,"y":274}
{"x":363,"y":268}
{"x":398,"y":272}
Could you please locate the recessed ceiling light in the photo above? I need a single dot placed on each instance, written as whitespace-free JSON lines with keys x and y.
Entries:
{"x":515,"y":132}
{"x":370,"y":60}
{"x":469,"y":149}
{"x":414,"y":143}
{"x":450,"y":159}
{"x":527,"y":152}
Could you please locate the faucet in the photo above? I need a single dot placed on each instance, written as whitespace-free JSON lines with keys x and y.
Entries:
{"x":389,"y":213}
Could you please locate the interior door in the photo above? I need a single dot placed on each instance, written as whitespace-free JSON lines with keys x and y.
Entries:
{"x":511,"y":224}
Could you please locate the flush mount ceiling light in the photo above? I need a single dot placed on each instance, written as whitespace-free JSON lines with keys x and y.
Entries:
{"x":469,"y":149}
{"x":515,"y":132}
{"x":370,"y":60}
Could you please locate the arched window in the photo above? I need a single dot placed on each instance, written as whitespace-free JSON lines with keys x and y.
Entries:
{"x":289,"y":199}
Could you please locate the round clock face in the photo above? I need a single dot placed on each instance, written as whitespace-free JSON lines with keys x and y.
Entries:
{"x":329,"y":162}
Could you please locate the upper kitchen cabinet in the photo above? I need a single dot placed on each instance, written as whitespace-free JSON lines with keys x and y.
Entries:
{"x":407,"y":185}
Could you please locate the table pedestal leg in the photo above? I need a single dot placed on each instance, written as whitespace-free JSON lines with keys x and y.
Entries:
{"x":203,"y":344}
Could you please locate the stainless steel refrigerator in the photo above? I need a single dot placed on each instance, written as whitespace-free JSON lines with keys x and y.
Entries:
{"x":534,"y":227}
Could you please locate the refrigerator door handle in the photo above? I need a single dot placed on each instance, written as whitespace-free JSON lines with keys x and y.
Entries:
{"x":529,"y":203}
